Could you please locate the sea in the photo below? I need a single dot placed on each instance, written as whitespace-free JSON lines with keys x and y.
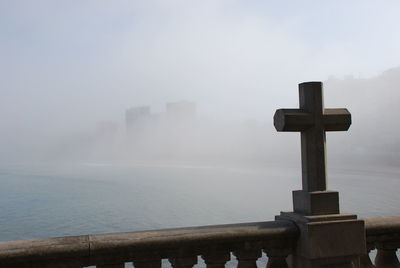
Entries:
{"x":52,"y":200}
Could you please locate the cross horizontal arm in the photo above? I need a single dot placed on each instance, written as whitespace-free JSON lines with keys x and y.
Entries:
{"x":292,"y":120}
{"x":336,"y":119}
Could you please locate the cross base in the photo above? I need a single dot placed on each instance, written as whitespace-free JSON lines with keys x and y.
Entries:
{"x":336,"y":240}
{"x":316,"y":203}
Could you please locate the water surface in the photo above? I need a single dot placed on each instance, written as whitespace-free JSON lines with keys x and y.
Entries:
{"x":57,"y":200}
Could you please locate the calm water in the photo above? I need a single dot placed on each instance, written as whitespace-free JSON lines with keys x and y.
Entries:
{"x":46,"y":201}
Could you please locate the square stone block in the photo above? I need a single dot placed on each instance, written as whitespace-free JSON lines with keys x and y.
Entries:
{"x":316,"y":203}
{"x":335,"y":240}
{"x":331,"y":239}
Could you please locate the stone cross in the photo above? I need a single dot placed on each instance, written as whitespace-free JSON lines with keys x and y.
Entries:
{"x":312,"y":120}
{"x":327,"y":238}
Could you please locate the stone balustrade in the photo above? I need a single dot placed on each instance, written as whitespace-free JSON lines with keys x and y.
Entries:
{"x":182,"y":246}
{"x":146,"y":249}
{"x":383,"y":234}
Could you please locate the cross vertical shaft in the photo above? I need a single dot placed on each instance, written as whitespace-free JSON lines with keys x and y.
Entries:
{"x":313,"y":139}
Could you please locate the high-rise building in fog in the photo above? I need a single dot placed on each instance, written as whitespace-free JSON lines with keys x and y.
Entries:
{"x":182,"y":110}
{"x":137,"y":117}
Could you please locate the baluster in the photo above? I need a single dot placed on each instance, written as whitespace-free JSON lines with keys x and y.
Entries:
{"x":111,"y":265}
{"x":365,"y":260}
{"x":247,"y":258}
{"x":154,"y":263}
{"x":277,"y":258}
{"x":184,"y":262}
{"x":386,"y":258}
{"x":216,"y":259}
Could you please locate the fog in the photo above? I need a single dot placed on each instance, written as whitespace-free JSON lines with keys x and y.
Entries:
{"x":70,"y":71}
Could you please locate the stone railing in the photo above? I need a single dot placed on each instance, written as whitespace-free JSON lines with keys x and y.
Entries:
{"x":182,"y":246}
{"x":383,"y":234}
{"x":146,"y":249}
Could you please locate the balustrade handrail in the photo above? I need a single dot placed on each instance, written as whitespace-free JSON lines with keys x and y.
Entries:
{"x":383,"y":232}
{"x":382,"y":225}
{"x":276,"y":238}
{"x":157,"y":244}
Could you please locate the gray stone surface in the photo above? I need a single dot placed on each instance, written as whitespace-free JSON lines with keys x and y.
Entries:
{"x":312,"y":120}
{"x":316,"y":203}
{"x":277,"y":239}
{"x":327,"y":238}
{"x":336,"y":240}
{"x":148,"y":246}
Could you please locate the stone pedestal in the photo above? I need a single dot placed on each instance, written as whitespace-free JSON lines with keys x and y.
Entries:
{"x":335,"y":240}
{"x":316,"y":203}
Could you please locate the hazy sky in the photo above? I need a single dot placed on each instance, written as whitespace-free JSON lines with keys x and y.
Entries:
{"x":64,"y":64}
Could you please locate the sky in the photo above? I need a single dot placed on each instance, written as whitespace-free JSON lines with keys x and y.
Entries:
{"x":66,"y":65}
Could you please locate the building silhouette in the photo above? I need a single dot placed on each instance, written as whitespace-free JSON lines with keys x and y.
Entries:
{"x":137,"y":118}
{"x":181,"y":110}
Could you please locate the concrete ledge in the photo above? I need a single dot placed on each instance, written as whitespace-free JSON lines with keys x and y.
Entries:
{"x":382,"y":225}
{"x":167,"y":243}
{"x":72,"y":248}
{"x":317,"y":218}
{"x":383,"y":232}
{"x":80,"y":251}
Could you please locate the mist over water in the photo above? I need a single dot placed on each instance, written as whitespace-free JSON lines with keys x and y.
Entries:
{"x":181,"y":133}
{"x":68,"y":68}
{"x":112,"y":109}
